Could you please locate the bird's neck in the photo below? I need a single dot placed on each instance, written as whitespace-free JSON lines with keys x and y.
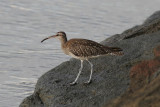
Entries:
{"x":63,"y":41}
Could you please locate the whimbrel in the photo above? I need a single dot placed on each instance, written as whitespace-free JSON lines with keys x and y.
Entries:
{"x":84,"y":49}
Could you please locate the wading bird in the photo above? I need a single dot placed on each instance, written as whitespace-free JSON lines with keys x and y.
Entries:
{"x":84,"y":49}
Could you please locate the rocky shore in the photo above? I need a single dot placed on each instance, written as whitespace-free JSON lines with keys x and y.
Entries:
{"x":131,"y":80}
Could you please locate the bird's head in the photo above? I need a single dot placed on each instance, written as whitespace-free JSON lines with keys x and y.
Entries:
{"x":60,"y":35}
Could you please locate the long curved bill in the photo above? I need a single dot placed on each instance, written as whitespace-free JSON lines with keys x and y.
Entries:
{"x":48,"y":38}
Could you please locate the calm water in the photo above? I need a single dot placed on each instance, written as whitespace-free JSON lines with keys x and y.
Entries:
{"x":24,"y":23}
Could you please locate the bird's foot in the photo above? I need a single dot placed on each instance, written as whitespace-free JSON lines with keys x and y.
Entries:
{"x":72,"y":83}
{"x":88,"y":82}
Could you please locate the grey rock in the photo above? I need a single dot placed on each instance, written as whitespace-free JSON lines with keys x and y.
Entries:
{"x":110,"y":77}
{"x":32,"y":101}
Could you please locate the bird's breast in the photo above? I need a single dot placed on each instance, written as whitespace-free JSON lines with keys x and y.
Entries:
{"x":65,"y":50}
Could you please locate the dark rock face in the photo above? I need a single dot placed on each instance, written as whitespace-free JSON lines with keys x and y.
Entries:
{"x":144,"y":89}
{"x":32,"y":101}
{"x":141,"y":73}
{"x":123,"y":79}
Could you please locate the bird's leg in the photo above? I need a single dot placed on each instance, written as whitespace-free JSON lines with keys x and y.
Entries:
{"x":80,"y":70}
{"x":90,"y":77}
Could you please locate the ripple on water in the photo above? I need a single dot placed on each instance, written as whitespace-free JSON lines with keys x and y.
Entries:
{"x":17,"y":85}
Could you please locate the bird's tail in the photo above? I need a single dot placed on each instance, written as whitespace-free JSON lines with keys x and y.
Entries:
{"x":116,"y":51}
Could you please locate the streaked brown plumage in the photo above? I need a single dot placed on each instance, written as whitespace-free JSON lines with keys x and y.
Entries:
{"x":84,"y":49}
